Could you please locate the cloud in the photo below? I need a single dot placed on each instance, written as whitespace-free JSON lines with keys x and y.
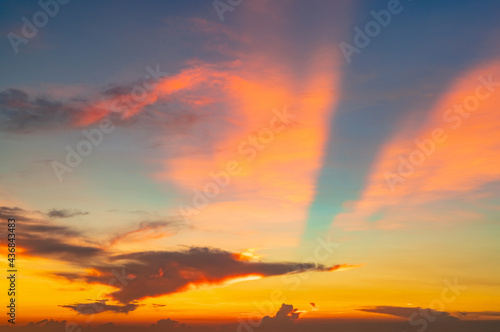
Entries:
{"x":157,"y":273}
{"x":416,"y":170}
{"x":33,"y":224}
{"x":144,"y":274}
{"x":38,"y":237}
{"x":476,"y":314}
{"x":65,"y":213}
{"x":48,"y":246}
{"x":167,"y":325}
{"x":407,"y":312}
{"x":20,"y":112}
{"x":100,"y":306}
{"x":46,"y":325}
{"x":285,"y":316}
{"x":41,"y":237}
{"x":151,"y":229}
{"x":246,"y":129}
{"x":7,"y":212}
{"x":23,"y":112}
{"x":343,"y":267}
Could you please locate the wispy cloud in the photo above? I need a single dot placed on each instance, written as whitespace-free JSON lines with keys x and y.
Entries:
{"x":151,"y":230}
{"x":64,"y":213}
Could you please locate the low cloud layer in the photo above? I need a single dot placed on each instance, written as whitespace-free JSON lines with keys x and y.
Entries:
{"x":100,"y":306}
{"x":476,"y":314}
{"x":409,"y":312}
{"x":283,"y":321}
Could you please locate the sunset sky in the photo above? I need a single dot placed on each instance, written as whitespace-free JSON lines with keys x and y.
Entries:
{"x":208,"y":161}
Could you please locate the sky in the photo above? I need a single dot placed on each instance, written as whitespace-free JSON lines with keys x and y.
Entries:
{"x":237,"y":162}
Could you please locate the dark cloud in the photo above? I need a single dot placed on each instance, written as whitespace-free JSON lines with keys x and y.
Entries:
{"x":407,"y":312}
{"x":20,"y":112}
{"x":45,"y":228}
{"x":64,"y":213}
{"x":47,"y":325}
{"x":10,"y":210}
{"x":7,"y":212}
{"x":477,"y":314}
{"x":165,"y":325}
{"x":158,"y":273}
{"x":285,"y":317}
{"x":100,"y":306}
{"x":39,"y":237}
{"x":53,"y":247}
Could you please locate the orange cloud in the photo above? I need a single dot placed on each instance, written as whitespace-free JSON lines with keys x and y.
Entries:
{"x":454,"y":153}
{"x":344,"y":267}
{"x":143,"y":94}
{"x":278,"y":160}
